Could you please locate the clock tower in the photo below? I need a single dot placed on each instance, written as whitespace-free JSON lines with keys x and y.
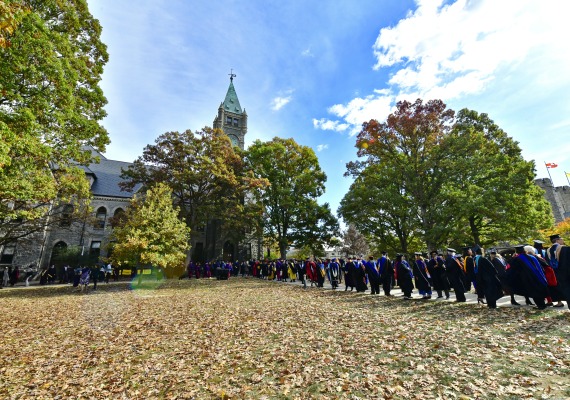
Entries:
{"x":231,"y":118}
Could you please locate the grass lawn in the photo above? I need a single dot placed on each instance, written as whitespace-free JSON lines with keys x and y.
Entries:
{"x":246,"y":338}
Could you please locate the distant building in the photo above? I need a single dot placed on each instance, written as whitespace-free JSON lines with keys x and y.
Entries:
{"x":558,"y":197}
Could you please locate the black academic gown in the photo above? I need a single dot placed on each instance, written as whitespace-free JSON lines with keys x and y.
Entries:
{"x":488,"y":283}
{"x":436,"y":268}
{"x":373,"y":277}
{"x":469,"y":272}
{"x":405,"y":277}
{"x":422,"y":281}
{"x":360,"y":281}
{"x":524,"y":277}
{"x":563,"y":274}
{"x":456,"y":277}
{"x":386,"y":274}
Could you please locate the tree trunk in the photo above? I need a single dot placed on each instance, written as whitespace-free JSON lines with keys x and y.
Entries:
{"x":474,"y":231}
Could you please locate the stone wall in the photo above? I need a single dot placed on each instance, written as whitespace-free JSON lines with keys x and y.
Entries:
{"x":558,"y":197}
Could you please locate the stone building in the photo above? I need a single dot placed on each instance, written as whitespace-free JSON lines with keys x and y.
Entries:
{"x":92,"y":235}
{"x":558,"y":197}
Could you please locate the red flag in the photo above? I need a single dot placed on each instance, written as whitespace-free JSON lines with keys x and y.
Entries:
{"x":551,"y":165}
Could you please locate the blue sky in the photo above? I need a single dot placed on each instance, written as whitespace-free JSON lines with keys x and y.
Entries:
{"x":314,"y":70}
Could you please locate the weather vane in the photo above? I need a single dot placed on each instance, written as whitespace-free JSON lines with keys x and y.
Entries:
{"x":232,"y":75}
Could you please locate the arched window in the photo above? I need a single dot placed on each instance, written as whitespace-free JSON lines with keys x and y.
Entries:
{"x":118,"y":216}
{"x":58,"y":253}
{"x":100,"y":217}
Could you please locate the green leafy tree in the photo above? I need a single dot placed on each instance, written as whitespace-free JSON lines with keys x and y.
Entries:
{"x":377,"y":205}
{"x":151,"y":233}
{"x":51,"y":59}
{"x":292,"y":215}
{"x":490,"y":185}
{"x":206,"y":175}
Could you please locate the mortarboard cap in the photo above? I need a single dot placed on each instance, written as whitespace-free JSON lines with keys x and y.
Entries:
{"x":417,"y":253}
{"x":493,"y":251}
{"x":520,"y":248}
{"x":554,"y":237}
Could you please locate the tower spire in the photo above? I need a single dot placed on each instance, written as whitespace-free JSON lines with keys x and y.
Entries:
{"x":232,"y":75}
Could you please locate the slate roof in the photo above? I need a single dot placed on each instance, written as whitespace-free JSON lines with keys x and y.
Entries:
{"x":107,"y":174}
{"x":107,"y":178}
{"x":231,"y":102}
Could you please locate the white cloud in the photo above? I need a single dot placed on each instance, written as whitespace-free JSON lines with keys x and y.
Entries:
{"x":282,"y":100}
{"x":279,"y":102}
{"x":328,"y":125}
{"x":356,"y":112}
{"x":322,"y":147}
{"x":450,"y":50}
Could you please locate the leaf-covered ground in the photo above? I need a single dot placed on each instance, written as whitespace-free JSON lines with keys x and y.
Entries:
{"x":246,"y":338}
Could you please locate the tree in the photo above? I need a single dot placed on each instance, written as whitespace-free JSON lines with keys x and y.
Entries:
{"x":443,"y":178}
{"x":51,"y":59}
{"x":408,"y":143}
{"x":492,"y":186}
{"x":377,"y":205}
{"x":354,"y":243}
{"x":151,"y":232}
{"x":291,"y":213}
{"x":206,"y":175}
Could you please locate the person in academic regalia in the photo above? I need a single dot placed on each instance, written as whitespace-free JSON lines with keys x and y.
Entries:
{"x":321,"y":273}
{"x":14,"y":275}
{"x":373,"y":275}
{"x":563,"y":272}
{"x":405,"y":276}
{"x":469,"y":268}
{"x":84,"y":278}
{"x":422,"y":276}
{"x":360,"y":280}
{"x":311,"y":271}
{"x":553,"y":260}
{"x":51,"y":274}
{"x":348,"y":271}
{"x":551,"y":253}
{"x":488,"y":283}
{"x":334,"y":273}
{"x":301,"y":271}
{"x":436,"y":269}
{"x":456,"y":275}
{"x":386,"y":272}
{"x":76,"y":276}
{"x":526,"y":277}
{"x":553,"y":293}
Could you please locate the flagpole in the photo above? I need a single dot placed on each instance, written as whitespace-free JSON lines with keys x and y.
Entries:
{"x":548,"y":170}
{"x":567,"y":178}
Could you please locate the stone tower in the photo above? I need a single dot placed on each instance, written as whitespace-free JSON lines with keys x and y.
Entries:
{"x":231,"y":118}
{"x":558,"y":197}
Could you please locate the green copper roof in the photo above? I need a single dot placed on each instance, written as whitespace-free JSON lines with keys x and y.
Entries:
{"x":231,"y":103}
